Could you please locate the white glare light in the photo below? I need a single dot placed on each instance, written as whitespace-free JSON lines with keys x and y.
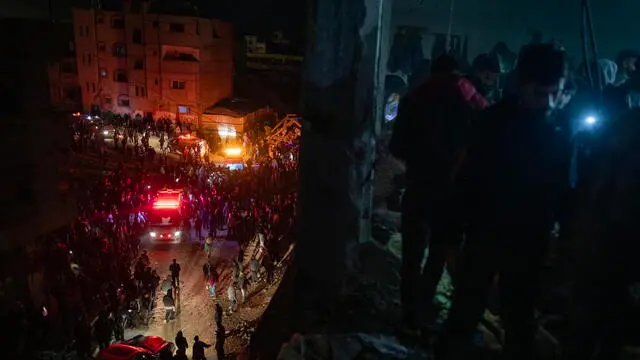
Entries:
{"x":591,"y":120}
{"x":153,"y":234}
{"x":105,"y":132}
{"x":177,"y":233}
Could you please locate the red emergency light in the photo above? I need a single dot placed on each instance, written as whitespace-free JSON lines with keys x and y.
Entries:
{"x":166,"y":204}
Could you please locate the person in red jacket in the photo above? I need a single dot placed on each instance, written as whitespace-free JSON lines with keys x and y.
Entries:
{"x":430,"y":138}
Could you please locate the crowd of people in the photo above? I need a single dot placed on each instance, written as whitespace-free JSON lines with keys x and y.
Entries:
{"x":495,"y":162}
{"x":95,"y":270}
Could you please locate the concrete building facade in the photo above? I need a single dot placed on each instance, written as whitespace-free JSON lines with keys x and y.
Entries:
{"x":140,"y":62}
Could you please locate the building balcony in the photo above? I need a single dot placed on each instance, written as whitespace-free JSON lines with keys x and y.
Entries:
{"x":180,"y":67}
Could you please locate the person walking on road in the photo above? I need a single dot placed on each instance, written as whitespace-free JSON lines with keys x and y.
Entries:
{"x":242,"y":284}
{"x":198,"y":349}
{"x":169,"y":307}
{"x":233,"y":300}
{"x":174,"y":268}
{"x":218,"y":314}
{"x":220,"y":334}
{"x":181,"y":341}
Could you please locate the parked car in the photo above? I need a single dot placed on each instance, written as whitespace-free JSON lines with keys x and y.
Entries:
{"x":138,"y":348}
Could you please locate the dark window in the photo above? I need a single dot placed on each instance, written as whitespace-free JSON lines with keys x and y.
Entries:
{"x":68,"y":67}
{"x":103,"y":72}
{"x":88,"y":85}
{"x":93,"y":87}
{"x":155,"y":82}
{"x":175,"y":27}
{"x":138,"y":65}
{"x":177,"y":85}
{"x":117,"y":22}
{"x":214,"y":32}
{"x":80,"y":30}
{"x":155,"y":53}
{"x":102,"y":46}
{"x":99,"y":19}
{"x":120,"y":76}
{"x":197,"y":28}
{"x":137,"y":91}
{"x":86,"y":30}
{"x":155,"y":25}
{"x":143,"y":91}
{"x":137,"y":36}
{"x":107,"y":100}
{"x":119,"y":50}
{"x":88,"y":59}
{"x":84,"y":59}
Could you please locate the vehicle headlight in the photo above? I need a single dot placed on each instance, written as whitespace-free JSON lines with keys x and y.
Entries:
{"x":153,"y":234}
{"x":177,"y":233}
{"x":105,"y":132}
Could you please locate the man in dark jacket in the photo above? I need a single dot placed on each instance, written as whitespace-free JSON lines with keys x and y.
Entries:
{"x":515,"y":177}
{"x":174,"y":268}
{"x":181,"y":341}
{"x":430,"y":136}
{"x":220,"y":333}
{"x":198,"y":349}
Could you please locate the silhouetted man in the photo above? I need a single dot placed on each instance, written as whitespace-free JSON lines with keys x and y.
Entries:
{"x":174,"y":268}
{"x":517,"y":172}
{"x":430,"y":137}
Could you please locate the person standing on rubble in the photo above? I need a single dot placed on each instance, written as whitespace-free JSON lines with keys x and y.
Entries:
{"x":605,"y":273}
{"x":516,"y":178}
{"x":429,"y":136}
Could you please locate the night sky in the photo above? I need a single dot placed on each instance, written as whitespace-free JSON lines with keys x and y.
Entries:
{"x":272,"y":14}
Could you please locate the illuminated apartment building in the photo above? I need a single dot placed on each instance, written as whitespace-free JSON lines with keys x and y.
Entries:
{"x":141,"y":61}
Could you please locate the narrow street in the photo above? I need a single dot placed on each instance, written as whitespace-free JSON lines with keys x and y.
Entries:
{"x":195,"y":308}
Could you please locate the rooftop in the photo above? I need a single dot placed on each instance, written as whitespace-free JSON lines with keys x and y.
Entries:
{"x":233,"y":107}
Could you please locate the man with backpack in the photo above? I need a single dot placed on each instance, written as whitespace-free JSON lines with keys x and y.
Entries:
{"x":430,"y":137}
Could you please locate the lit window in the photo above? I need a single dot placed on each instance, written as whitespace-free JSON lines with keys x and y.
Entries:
{"x":183,"y":109}
{"x":123,"y":100}
{"x":226,"y":131}
{"x":103,"y":72}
